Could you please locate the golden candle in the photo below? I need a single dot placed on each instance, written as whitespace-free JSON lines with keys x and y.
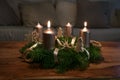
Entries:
{"x":68,"y":30}
{"x":49,"y":37}
{"x":85,"y":34}
{"x":39,"y":29}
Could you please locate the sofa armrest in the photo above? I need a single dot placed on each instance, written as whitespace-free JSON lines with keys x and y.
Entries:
{"x":104,"y":34}
{"x":17,"y":33}
{"x":13,"y":33}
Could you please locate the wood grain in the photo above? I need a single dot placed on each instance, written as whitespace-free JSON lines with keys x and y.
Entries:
{"x":12,"y":67}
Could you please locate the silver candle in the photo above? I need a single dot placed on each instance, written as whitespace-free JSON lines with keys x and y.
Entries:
{"x":39,"y":29}
{"x":68,"y":30}
{"x":49,"y":38}
{"x":85,"y":34}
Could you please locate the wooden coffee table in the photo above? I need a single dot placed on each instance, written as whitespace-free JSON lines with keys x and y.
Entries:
{"x":14,"y":68}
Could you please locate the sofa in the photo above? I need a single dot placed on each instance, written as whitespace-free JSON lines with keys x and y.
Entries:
{"x":19,"y":17}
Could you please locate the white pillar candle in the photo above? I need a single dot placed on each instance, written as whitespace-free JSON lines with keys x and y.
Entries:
{"x":68,"y":30}
{"x":49,"y":37}
{"x":85,"y":34}
{"x":39,"y":29}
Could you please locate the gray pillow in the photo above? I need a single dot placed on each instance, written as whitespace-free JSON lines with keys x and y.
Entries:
{"x":66,"y":12}
{"x":32,"y":13}
{"x":7,"y":15}
{"x":96,"y":13}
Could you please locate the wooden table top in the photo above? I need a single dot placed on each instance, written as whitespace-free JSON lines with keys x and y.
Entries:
{"x":12,"y":67}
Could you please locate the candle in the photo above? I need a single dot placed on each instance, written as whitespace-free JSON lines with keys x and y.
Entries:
{"x":68,"y":30}
{"x":49,"y":37}
{"x":85,"y":34}
{"x":39,"y":29}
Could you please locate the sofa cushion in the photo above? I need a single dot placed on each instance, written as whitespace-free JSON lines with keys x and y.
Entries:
{"x":115,"y":18}
{"x":118,"y":16}
{"x":32,"y":13}
{"x":7,"y":15}
{"x":96,"y":13}
{"x":66,"y":11}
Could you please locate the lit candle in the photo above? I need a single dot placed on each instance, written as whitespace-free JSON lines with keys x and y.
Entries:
{"x":85,"y":34}
{"x":68,"y":30}
{"x":49,"y":37}
{"x":39,"y":29}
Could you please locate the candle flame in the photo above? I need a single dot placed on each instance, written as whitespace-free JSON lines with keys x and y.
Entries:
{"x":39,"y":26}
{"x":85,"y":23}
{"x":49,"y":24}
{"x":85,"y":29}
{"x":69,"y":25}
